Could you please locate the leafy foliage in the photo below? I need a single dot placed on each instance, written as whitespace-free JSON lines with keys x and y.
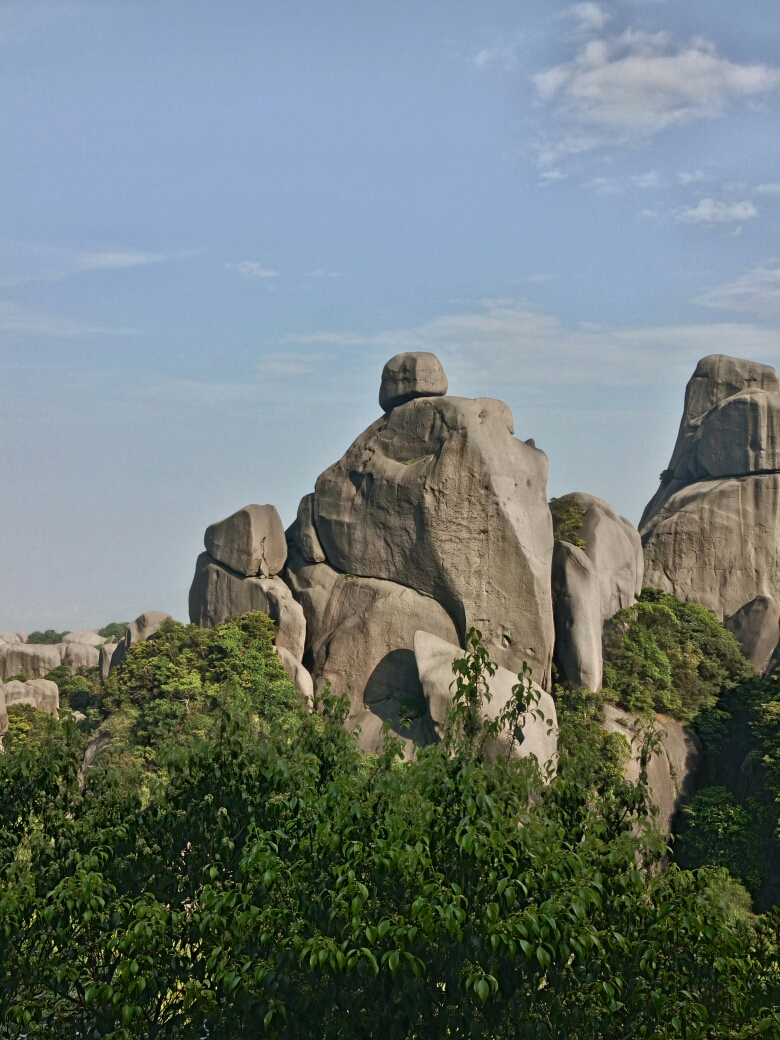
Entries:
{"x":568,"y":518}
{"x":48,"y":637}
{"x":114,"y":631}
{"x":271,"y":881}
{"x":672,"y":657}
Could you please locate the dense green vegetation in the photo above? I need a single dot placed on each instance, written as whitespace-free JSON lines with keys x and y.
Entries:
{"x":568,"y":518}
{"x":671,"y":657}
{"x":235,"y":868}
{"x":49,"y":636}
{"x":115,"y":631}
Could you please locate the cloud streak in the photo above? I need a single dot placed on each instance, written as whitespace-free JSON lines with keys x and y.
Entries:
{"x":715,"y":211}
{"x":20,"y":321}
{"x":758,"y":291}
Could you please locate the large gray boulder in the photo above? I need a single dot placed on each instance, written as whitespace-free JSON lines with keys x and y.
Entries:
{"x":716,"y":379}
{"x":303,"y":534}
{"x":578,"y":621}
{"x":672,"y":775}
{"x":360,"y":641}
{"x":710,"y":533}
{"x":410,"y":375}
{"x":218,"y":593}
{"x":438,"y":496}
{"x":435,"y":656}
{"x":298,"y":675}
{"x":81,"y":657}
{"x":34,"y":660}
{"x":756,"y":627}
{"x":250,"y":542}
{"x":144,"y":627}
{"x":89,"y":637}
{"x":106,"y":656}
{"x":42,"y":694}
{"x":10,"y":637}
{"x":717,"y":542}
{"x":591,"y":585}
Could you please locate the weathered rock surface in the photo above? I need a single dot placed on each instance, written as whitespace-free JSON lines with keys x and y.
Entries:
{"x":434,"y":657}
{"x":31,"y":659}
{"x":143,"y":628}
{"x":106,"y":656}
{"x":672,"y":775}
{"x":10,"y":637}
{"x":716,"y":379}
{"x":42,"y":694}
{"x":717,"y":542}
{"x":756,"y":626}
{"x":303,"y":534}
{"x":81,"y":657}
{"x":740,"y":435}
{"x":438,"y":496}
{"x":578,"y":621}
{"x":299,"y":676}
{"x":410,"y":375}
{"x":250,"y":542}
{"x":87,"y":636}
{"x":217,"y":593}
{"x":360,"y":639}
{"x":91,"y":752}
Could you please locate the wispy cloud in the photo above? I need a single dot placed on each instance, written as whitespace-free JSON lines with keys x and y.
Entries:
{"x":715,"y":211}
{"x":500,"y":53}
{"x":319,"y":273}
{"x":290,"y":364}
{"x":634,"y":86}
{"x":767,"y":189}
{"x":690,"y":178}
{"x":646,"y":180}
{"x":586,"y":17}
{"x":603,"y":185}
{"x":16,"y":320}
{"x":253,"y":269}
{"x":22,"y":265}
{"x":758,"y":291}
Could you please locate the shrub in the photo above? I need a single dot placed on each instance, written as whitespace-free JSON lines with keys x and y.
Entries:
{"x":568,"y":518}
{"x":672,"y":657}
{"x":115,"y":631}
{"x":49,"y":636}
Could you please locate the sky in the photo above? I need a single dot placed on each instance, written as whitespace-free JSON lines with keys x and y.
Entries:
{"x":219,"y":220}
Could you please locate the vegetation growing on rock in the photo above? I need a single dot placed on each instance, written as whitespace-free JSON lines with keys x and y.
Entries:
{"x":568,"y":518}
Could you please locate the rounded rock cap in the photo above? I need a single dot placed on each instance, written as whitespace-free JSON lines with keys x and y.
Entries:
{"x":414,"y":374}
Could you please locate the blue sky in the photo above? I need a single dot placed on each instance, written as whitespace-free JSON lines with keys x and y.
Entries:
{"x":219,"y":221}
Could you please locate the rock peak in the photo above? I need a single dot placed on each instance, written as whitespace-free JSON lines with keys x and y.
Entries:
{"x":414,"y":374}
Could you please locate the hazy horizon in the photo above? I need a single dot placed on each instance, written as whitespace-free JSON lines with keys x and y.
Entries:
{"x":221,"y":220}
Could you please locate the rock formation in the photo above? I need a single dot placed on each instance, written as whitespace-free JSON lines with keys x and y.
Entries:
{"x":40,"y":693}
{"x":440,"y":497}
{"x":711,"y":533}
{"x":435,"y":656}
{"x":88,"y":637}
{"x":250,"y":542}
{"x":218,"y":593}
{"x":672,"y":775}
{"x":407,"y":376}
{"x":590,"y":585}
{"x":756,"y":627}
{"x":34,"y":660}
{"x":144,"y":626}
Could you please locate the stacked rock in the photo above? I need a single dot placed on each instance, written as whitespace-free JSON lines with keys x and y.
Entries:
{"x":434,"y":521}
{"x":239,"y":571}
{"x":711,"y":533}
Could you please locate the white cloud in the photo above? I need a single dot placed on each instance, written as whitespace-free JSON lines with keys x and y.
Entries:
{"x":767,"y":189}
{"x":22,"y":321}
{"x":690,"y":178}
{"x":31,"y":264}
{"x":319,"y":273}
{"x":646,"y":180}
{"x":757,"y":291}
{"x":252,"y":269}
{"x":514,"y":343}
{"x":502,"y":53}
{"x":634,"y":86}
{"x":714,"y":211}
{"x":587,"y":17}
{"x":550,"y":176}
{"x":647,"y":214}
{"x":603,"y":185}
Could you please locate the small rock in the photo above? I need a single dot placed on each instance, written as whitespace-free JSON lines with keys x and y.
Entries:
{"x":250,"y":542}
{"x":406,"y":376}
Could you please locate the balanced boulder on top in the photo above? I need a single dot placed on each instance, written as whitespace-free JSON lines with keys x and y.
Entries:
{"x":250,"y":542}
{"x":406,"y":376}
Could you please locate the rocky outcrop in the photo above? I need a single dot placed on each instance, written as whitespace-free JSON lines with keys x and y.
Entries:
{"x":217,"y":593}
{"x":42,"y":694}
{"x":251,"y":542}
{"x":34,"y":660}
{"x":87,"y":637}
{"x":711,"y":533}
{"x":578,"y":622}
{"x":434,"y":657}
{"x":439,"y":497}
{"x":144,"y":627}
{"x":106,"y":656}
{"x":360,"y":641}
{"x":756,"y":627}
{"x":303,"y":534}
{"x":406,"y":376}
{"x":80,"y":657}
{"x":672,"y":775}
{"x":591,"y":584}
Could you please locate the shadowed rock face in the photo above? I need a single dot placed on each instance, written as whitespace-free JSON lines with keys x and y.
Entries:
{"x":756,"y":627}
{"x":440,"y":497}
